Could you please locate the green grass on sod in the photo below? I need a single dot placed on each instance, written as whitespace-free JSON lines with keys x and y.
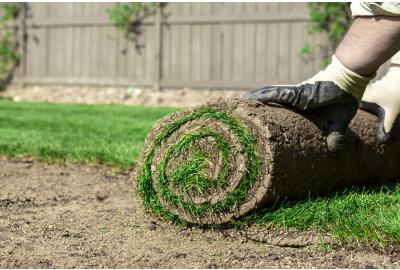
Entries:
{"x":151,"y":199}
{"x":369,"y":214}
{"x":114,"y":134}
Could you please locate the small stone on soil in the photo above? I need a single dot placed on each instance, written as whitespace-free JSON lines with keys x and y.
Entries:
{"x":152,"y":226}
{"x":180,"y":255}
{"x":101,"y":195}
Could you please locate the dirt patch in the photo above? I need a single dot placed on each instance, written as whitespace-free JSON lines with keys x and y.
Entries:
{"x":116,"y":95}
{"x":74,"y":215}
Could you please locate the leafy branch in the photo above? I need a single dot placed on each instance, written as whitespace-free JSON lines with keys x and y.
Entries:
{"x":127,"y":17}
{"x":333,"y":19}
{"x":9,"y":56}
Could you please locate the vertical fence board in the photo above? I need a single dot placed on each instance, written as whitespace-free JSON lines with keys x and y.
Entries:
{"x":175,"y":52}
{"x":131,"y":60}
{"x":282,"y":66}
{"x":227,"y":44}
{"x":272,"y":55}
{"x":249,"y":51}
{"x":196,"y":53}
{"x":205,"y":53}
{"x":260,"y":52}
{"x":238,"y":60}
{"x":77,"y":63}
{"x":120,"y":55}
{"x":165,"y":51}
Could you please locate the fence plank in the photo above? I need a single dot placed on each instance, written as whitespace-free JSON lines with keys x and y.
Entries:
{"x":166,"y":52}
{"x":238,"y":60}
{"x":249,"y":51}
{"x":205,"y":52}
{"x":185,"y":58}
{"x":282,"y":65}
{"x":227,"y":53}
{"x":260,"y":52}
{"x":272,"y":54}
{"x":157,"y":49}
{"x":196,"y":53}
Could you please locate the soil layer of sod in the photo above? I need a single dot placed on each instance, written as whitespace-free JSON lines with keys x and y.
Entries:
{"x":216,"y":162}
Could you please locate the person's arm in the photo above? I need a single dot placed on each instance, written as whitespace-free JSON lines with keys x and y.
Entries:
{"x":334,"y":93}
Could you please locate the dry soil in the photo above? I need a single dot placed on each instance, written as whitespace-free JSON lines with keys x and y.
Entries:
{"x":77,"y":215}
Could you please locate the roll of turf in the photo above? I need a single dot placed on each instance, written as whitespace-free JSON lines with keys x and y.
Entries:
{"x":216,"y":162}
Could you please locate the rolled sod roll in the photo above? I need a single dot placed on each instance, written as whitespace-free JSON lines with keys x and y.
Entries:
{"x":216,"y":162}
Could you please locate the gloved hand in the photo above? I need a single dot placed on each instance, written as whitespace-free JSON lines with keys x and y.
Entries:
{"x":382,"y":98}
{"x":333,"y":95}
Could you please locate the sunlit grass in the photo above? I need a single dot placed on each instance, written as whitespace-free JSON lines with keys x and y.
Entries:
{"x":112,"y":134}
{"x":369,"y":214}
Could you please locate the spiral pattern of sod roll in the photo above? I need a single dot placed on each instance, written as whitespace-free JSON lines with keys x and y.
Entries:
{"x":203,"y":165}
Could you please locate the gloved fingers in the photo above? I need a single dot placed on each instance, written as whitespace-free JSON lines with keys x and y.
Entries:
{"x":324,"y":99}
{"x":383,"y":134}
{"x":285,"y":95}
{"x":335,"y":120}
{"x":303,"y":96}
{"x":336,"y":139}
{"x":388,"y":120}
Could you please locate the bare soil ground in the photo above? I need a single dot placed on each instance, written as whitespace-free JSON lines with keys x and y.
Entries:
{"x":77,"y":215}
{"x":185,"y":97}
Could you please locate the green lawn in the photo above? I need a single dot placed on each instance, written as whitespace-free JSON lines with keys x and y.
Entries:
{"x":111,"y":134}
{"x":114,"y":134}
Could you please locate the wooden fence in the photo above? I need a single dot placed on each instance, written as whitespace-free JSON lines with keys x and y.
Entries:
{"x":197,"y":45}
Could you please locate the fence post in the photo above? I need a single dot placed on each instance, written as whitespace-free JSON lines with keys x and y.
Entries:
{"x":157,"y":47}
{"x":22,"y":41}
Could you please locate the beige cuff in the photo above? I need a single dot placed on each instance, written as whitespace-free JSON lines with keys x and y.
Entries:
{"x":348,"y":80}
{"x":375,"y":9}
{"x":343,"y":77}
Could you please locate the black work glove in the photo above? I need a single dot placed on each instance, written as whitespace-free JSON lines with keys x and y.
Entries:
{"x":324,"y":99}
